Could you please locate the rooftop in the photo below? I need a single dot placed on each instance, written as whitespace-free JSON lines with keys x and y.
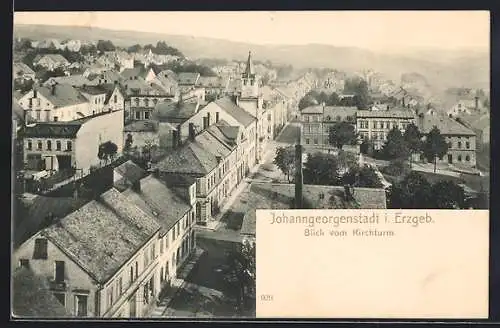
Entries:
{"x":62,"y":95}
{"x":22,"y":67}
{"x":445,"y":124}
{"x":103,"y":235}
{"x":55,"y":57}
{"x":168,"y":110}
{"x":262,"y":195}
{"x":127,"y":174}
{"x":187,"y":78}
{"x":238,"y":113}
{"x":141,"y":126}
{"x":162,"y":203}
{"x":391,"y":113}
{"x":73,"y":80}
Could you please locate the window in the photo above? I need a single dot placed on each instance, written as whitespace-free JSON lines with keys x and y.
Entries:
{"x":146,"y":259}
{"x":166,"y":242}
{"x":449,"y":144}
{"x":38,"y":114}
{"x":146,"y":102}
{"x":178,"y":228}
{"x":173,"y":234}
{"x":61,"y":297}
{"x":216,"y":117}
{"x":49,"y":145}
{"x":59,"y":271}
{"x":153,"y":251}
{"x":307,"y":141}
{"x":161,"y":245}
{"x":467,"y":145}
{"x":110,"y":296}
{"x":136,"y":269}
{"x":95,"y":101}
{"x":146,"y":115}
{"x":306,"y":118}
{"x":131,"y":274}
{"x":467,"y":158}
{"x":69,"y":145}
{"x":459,"y":144}
{"x":30,"y":145}
{"x":120,"y":286}
{"x":315,"y":141}
{"x":137,"y":115}
{"x":192,"y":217}
{"x":24,"y":263}
{"x":81,"y":305}
{"x":39,"y":145}
{"x":459,"y":158}
{"x":115,"y":99}
{"x":40,"y":252}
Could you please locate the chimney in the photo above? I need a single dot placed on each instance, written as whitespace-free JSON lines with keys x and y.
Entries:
{"x":476,"y":103}
{"x":218,"y":158}
{"x":298,"y":172}
{"x":174,"y":139}
{"x":387,"y":107}
{"x":191,"y":131}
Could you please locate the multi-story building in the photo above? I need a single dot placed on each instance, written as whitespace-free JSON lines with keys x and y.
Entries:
{"x":461,"y":140}
{"x":72,"y":144}
{"x":213,"y":158}
{"x":172,"y":203}
{"x":375,"y":125}
{"x":187,"y":81}
{"x":317,"y":121}
{"x":96,"y":97}
{"x":51,"y":61}
{"x":99,"y":261}
{"x":21,"y":71}
{"x":58,"y":102}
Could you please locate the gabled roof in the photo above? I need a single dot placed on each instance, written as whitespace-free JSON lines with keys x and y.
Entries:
{"x":138,"y":71}
{"x":445,"y":124}
{"x":32,"y":298}
{"x":392,"y":113}
{"x":73,"y":80}
{"x":199,"y":157}
{"x":22,"y":67}
{"x":92,"y":90}
{"x":224,"y":132}
{"x":186,"y":78}
{"x":168,"y":74}
{"x":63,"y":95}
{"x":238,"y":113}
{"x":249,"y":68}
{"x":54,"y":57}
{"x":130,"y":173}
{"x":52,"y":130}
{"x":156,"y":199}
{"x":103,"y":235}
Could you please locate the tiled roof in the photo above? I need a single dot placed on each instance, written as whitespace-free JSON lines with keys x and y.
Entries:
{"x":55,"y":57}
{"x":103,"y":235}
{"x":31,"y":297}
{"x":141,"y":126}
{"x":168,"y":73}
{"x":32,"y":211}
{"x":17,"y":110}
{"x":22,"y":67}
{"x":130,"y":173}
{"x":224,"y":132}
{"x":157,"y":199}
{"x":445,"y":124}
{"x":235,"y":111}
{"x":63,"y":95}
{"x":281,"y":196}
{"x":73,"y":80}
{"x":52,"y":130}
{"x":198,"y":157}
{"x":139,"y":86}
{"x":186,"y":78}
{"x":211,"y":82}
{"x":479,"y":122}
{"x":173,"y":110}
{"x":93,"y":89}
{"x":392,"y":113}
{"x":137,"y":71}
{"x":332,"y":111}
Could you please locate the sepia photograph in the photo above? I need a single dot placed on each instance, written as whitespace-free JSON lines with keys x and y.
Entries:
{"x":145,"y":142}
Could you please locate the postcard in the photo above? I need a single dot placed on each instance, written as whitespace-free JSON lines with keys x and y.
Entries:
{"x":251,"y":165}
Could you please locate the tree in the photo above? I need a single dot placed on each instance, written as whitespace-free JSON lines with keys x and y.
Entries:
{"x":364,"y":176}
{"x":341,"y":133}
{"x":359,"y":88}
{"x":128,"y":142}
{"x":434,"y":146}
{"x":447,"y":194}
{"x":322,"y":98}
{"x":333,"y":99}
{"x":241,"y":273}
{"x":395,"y":146}
{"x":23,"y":45}
{"x":366,"y":147}
{"x":107,"y":151}
{"x":413,"y":192}
{"x":88,"y":49}
{"x":285,"y":160}
{"x":134,"y":48}
{"x":105,"y":45}
{"x":163,"y":49}
{"x":321,"y":169}
{"x":413,"y":139}
{"x":307,"y":101}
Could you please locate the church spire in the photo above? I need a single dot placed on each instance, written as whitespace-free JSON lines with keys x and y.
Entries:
{"x":249,"y":70}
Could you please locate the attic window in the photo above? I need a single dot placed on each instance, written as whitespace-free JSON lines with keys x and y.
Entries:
{"x":321,"y":196}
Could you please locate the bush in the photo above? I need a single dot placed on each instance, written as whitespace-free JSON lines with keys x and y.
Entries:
{"x":396,"y":168}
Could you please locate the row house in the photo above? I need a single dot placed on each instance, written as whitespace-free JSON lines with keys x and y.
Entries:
{"x":96,"y":97}
{"x":75,"y":81}
{"x":51,"y":61}
{"x":317,"y":120}
{"x":57,"y":102}
{"x":277,"y":103}
{"x":172,"y":203}
{"x":212,"y":163}
{"x":99,"y":261}
{"x":71,"y":145}
{"x":461,"y":139}
{"x":375,"y":125}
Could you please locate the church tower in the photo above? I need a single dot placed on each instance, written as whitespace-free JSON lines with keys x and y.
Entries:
{"x":249,"y":81}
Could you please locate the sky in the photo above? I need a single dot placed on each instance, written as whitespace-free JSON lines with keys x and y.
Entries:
{"x":376,"y":30}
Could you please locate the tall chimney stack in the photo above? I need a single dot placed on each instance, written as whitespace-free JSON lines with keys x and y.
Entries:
{"x":299,"y":181}
{"x":191,"y":131}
